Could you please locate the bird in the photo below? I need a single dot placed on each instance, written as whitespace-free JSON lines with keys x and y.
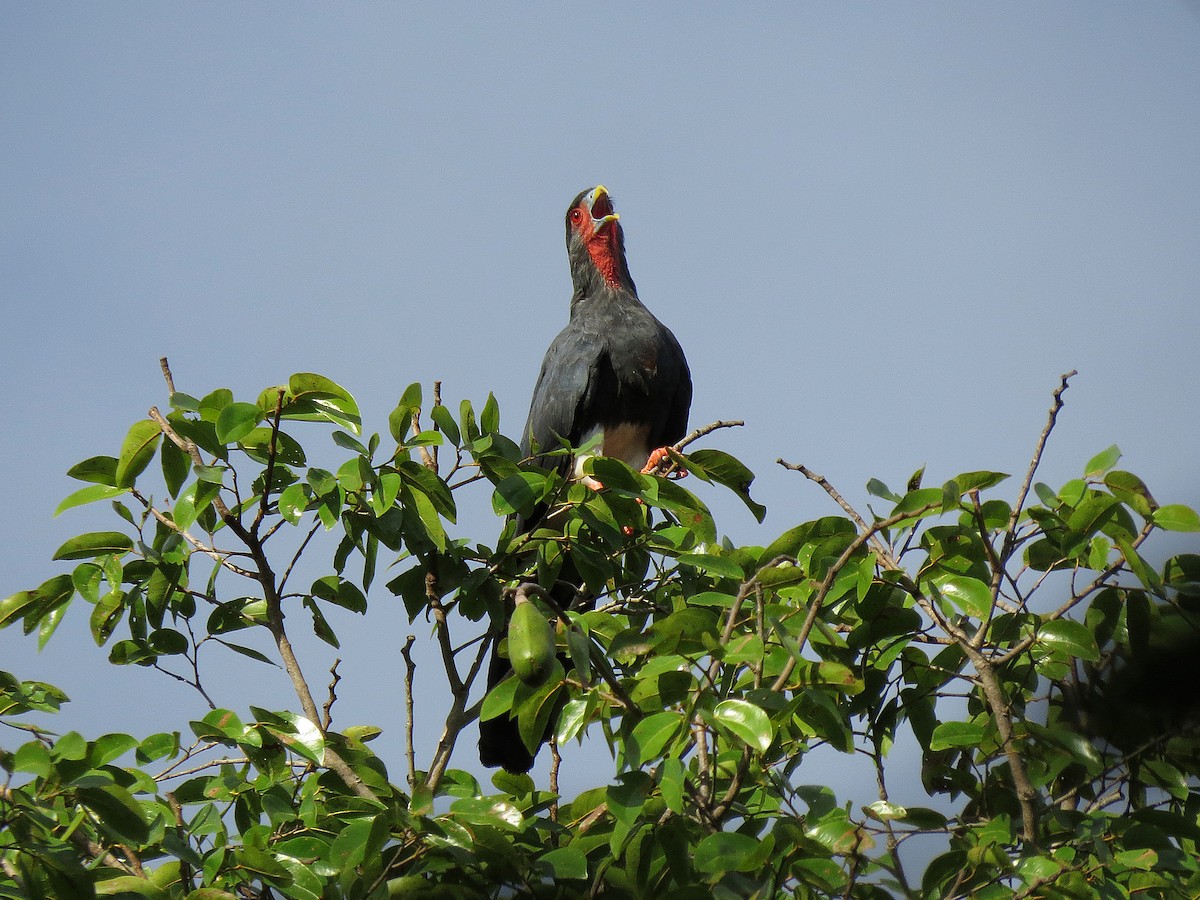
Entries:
{"x":615,"y":377}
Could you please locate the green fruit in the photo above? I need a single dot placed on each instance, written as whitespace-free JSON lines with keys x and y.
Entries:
{"x":530,"y":644}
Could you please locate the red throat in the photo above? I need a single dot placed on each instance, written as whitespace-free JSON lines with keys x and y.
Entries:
{"x":602,"y":248}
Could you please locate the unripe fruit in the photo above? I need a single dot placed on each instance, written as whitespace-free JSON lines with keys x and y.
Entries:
{"x":530,"y":644}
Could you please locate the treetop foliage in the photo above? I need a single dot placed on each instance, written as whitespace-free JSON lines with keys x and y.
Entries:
{"x":1018,"y":633}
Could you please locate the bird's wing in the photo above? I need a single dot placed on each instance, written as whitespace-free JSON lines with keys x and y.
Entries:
{"x":675,"y":413}
{"x":565,"y":389}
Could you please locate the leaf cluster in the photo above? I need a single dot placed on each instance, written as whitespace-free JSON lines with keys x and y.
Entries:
{"x":1023,"y":642}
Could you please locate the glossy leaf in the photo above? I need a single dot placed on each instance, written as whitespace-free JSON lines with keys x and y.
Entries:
{"x":748,"y":722}
{"x":89,"y":495}
{"x":970,"y":595}
{"x":138,"y":449}
{"x":93,"y":544}
{"x":1070,"y":637}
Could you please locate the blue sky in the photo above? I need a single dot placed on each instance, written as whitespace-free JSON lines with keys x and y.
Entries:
{"x":880,"y":231}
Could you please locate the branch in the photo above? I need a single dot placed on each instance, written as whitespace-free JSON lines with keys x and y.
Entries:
{"x":220,"y":556}
{"x":272,"y":450}
{"x":1055,"y":406}
{"x":884,"y":551}
{"x":327,"y":718}
{"x":867,"y":535}
{"x":266,"y":579}
{"x":410,"y":669}
{"x":667,"y":465}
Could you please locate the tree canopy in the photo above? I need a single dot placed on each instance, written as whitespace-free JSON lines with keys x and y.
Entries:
{"x":1018,"y":632}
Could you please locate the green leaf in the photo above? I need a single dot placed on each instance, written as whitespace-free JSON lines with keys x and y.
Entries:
{"x":126,"y":886}
{"x":749,"y":723}
{"x":920,"y":498}
{"x":236,"y":421}
{"x":651,"y":735}
{"x":956,"y":734}
{"x":672,"y":783}
{"x":877,"y":488}
{"x":627,"y":798}
{"x":1177,"y":517}
{"x":109,"y":747}
{"x":488,"y":811}
{"x":715,"y":565}
{"x":1070,"y":637}
{"x":489,"y":416}
{"x":117,"y":810}
{"x":141,"y":443}
{"x":978,"y":481}
{"x":175,"y":466}
{"x":969,"y":594}
{"x":33,"y":758}
{"x":444,"y":419}
{"x":729,"y":471}
{"x":168,"y":642}
{"x":518,"y":492}
{"x":301,"y":735}
{"x":883,"y":811}
{"x":105,"y":616}
{"x":157,"y":746}
{"x":571,"y":719}
{"x":314,"y":397}
{"x":193,"y":500}
{"x":89,"y":495}
{"x":337,"y":590}
{"x":344,"y":440}
{"x":1144,"y":859}
{"x":292,"y":502}
{"x":400,"y":418}
{"x":94,"y":543}
{"x":1131,"y":491}
{"x":564,"y":863}
{"x":97,"y":469}
{"x":1102,"y":462}
{"x":429,"y":518}
{"x":727,"y":851}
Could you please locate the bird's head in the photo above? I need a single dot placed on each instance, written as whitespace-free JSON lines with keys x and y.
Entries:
{"x":595,"y":242}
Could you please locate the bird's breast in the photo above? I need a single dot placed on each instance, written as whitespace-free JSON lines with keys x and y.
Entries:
{"x":627,"y":441}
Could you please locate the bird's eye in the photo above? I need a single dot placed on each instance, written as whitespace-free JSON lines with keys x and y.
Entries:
{"x":577,"y":215}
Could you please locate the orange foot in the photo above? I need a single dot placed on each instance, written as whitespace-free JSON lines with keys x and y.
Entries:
{"x":656,"y":459}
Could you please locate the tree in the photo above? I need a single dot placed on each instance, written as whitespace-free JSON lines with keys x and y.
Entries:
{"x":1025,"y":642}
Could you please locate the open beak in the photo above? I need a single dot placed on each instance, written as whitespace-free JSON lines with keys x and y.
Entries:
{"x":601,"y":208}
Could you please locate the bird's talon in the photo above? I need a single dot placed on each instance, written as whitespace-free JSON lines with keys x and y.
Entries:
{"x":655,"y":460}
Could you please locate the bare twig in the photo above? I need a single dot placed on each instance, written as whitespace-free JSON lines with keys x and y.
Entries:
{"x":1055,"y":406}
{"x":166,"y":370}
{"x":884,"y":551}
{"x":410,"y":669}
{"x":555,"y":764}
{"x":327,"y":712}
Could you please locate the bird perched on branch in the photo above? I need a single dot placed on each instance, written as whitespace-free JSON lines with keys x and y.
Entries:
{"x":614,"y":373}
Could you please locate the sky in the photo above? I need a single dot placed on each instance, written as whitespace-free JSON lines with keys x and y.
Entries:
{"x":880,"y":231}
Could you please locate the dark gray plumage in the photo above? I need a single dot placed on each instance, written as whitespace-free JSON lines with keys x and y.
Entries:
{"x":614,"y":370}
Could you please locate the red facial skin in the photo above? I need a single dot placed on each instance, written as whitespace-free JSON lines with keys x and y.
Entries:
{"x":602,"y":242}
